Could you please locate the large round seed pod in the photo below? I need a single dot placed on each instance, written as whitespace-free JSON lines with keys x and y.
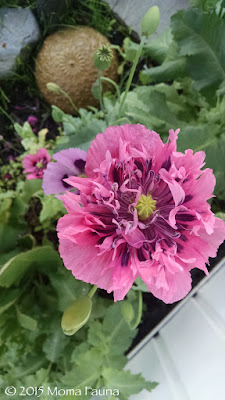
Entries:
{"x":66,"y":59}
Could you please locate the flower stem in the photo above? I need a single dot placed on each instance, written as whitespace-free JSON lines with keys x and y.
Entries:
{"x":92,"y":291}
{"x":220,"y":12}
{"x":113,"y":83}
{"x":70,"y":100}
{"x":100,"y":90}
{"x":132,"y":71}
{"x":7,"y":115}
{"x":140,"y":308}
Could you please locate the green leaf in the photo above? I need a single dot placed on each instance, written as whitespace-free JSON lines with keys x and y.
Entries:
{"x":67,"y":287}
{"x":31,"y":188}
{"x":8,"y":239}
{"x":199,"y":36}
{"x":52,"y":208}
{"x":42,"y":257}
{"x":55,"y":343}
{"x":221,"y":215}
{"x":166,"y":72}
{"x":87,"y":371}
{"x":114,"y":334}
{"x":83,"y":134}
{"x":127,"y":383}
{"x":204,"y":138}
{"x":8,"y":298}
{"x":130,"y":49}
{"x":196,"y":137}
{"x":204,"y":4}
{"x":158,"y":110}
{"x":57,"y":114}
{"x":158,"y":47}
{"x":26,"y":321}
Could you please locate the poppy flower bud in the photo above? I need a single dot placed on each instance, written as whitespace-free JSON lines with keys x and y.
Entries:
{"x":150,"y":21}
{"x":52,"y":87}
{"x":76,"y":315}
{"x":127,"y":311}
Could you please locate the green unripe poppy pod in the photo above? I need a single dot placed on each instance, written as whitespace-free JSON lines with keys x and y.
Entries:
{"x":103,"y":57}
{"x":150,"y":21}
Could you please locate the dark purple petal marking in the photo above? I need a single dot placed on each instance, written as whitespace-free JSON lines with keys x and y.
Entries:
{"x":140,"y":255}
{"x":188,"y":198}
{"x":80,"y":164}
{"x":116,"y":175}
{"x":166,"y":164}
{"x":186,"y":217}
{"x":179,"y":247}
{"x":183,"y":238}
{"x":125,"y":256}
{"x":139,"y":165}
{"x":66,"y":185}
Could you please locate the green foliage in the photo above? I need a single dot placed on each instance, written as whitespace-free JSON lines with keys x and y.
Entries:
{"x":52,"y":209}
{"x":40,"y":257}
{"x":126,"y":382}
{"x":198,"y":36}
{"x":106,"y":343}
{"x":205,"y":5}
{"x":78,"y":131}
{"x":195,"y":49}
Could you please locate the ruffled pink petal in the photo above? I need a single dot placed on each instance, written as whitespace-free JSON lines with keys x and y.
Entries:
{"x":137,"y":136}
{"x":167,"y":286}
{"x":86,"y":265}
{"x":174,"y":186}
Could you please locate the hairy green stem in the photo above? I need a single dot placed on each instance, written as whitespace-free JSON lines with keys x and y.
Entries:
{"x":112,"y":83}
{"x":140,"y":308}
{"x":70,"y":100}
{"x":7,"y":115}
{"x":131,"y":75}
{"x":100,"y":90}
{"x":92,"y":291}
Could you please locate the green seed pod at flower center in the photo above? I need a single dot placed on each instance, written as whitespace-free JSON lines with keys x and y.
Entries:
{"x":145,"y":206}
{"x":39,"y":165}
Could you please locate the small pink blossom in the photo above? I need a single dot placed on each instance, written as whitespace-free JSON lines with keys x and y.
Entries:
{"x":141,"y":211}
{"x":32,"y":120}
{"x":35,"y":164}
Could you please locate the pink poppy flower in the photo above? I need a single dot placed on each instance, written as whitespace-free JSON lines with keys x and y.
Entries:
{"x":35,"y":164}
{"x":141,"y":211}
